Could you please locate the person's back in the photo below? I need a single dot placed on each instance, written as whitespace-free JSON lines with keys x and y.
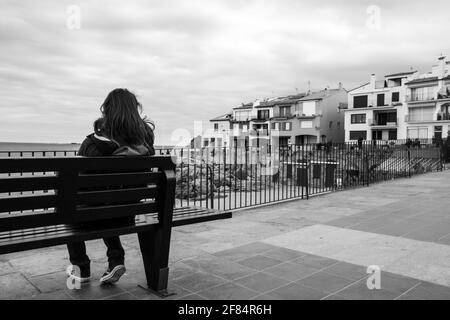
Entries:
{"x":119,"y":131}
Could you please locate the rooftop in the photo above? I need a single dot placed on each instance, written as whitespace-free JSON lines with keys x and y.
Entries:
{"x":398,"y":74}
{"x":319,"y":94}
{"x":303,"y":249}
{"x":224,"y":117}
{"x":421,"y":80}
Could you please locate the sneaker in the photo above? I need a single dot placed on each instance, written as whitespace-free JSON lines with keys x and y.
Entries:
{"x":77,"y":274}
{"x":112,"y":276}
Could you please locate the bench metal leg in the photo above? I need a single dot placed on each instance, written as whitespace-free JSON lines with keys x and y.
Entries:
{"x":155,"y":254}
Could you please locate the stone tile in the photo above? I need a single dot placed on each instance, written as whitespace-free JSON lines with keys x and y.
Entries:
{"x":283,"y":254}
{"x":228,"y":291}
{"x":296,"y":291}
{"x":245,"y":251}
{"x":325,"y":282}
{"x":142,"y":294}
{"x":220,"y":267}
{"x":259,"y":262}
{"x":50,"y":282}
{"x":179,"y":270}
{"x":347,"y":270}
{"x":335,"y":297}
{"x":55,"y":295}
{"x":428,"y":233}
{"x":42,"y":263}
{"x":192,"y":297}
{"x":199,"y":281}
{"x":408,"y":296}
{"x":430,"y":291}
{"x":291,"y":271}
{"x":6,"y":268}
{"x":359,"y":291}
{"x":93,"y":291}
{"x":262,"y":282}
{"x":122,"y":296}
{"x":315,"y":261}
{"x":16,"y":286}
{"x":396,"y":283}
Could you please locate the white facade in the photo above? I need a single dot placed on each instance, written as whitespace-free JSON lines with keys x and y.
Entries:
{"x":428,"y":101}
{"x":377,"y":110}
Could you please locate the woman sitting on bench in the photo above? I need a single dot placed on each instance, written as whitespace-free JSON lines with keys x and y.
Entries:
{"x":120,"y":131}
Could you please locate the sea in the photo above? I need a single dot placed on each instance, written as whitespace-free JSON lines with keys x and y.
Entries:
{"x":33,"y":149}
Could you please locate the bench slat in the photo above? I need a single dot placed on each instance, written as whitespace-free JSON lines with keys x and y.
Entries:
{"x":18,"y":184}
{"x":138,"y":163}
{"x":126,"y":195}
{"x":118,"y":179}
{"x":22,"y":203}
{"x":113,"y":211}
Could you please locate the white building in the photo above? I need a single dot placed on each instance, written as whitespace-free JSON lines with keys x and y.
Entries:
{"x":377,"y":109}
{"x":402,"y":105}
{"x":428,"y":102}
{"x":296,"y":119}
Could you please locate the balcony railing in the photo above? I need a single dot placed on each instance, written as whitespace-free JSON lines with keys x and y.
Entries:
{"x":415,"y":98}
{"x":377,"y":122}
{"x":443,"y":116}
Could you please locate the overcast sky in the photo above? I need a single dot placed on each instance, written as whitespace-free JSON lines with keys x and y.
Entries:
{"x":194,"y":60}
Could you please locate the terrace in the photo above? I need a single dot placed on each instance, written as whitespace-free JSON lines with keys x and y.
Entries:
{"x":283,"y":247}
{"x":316,"y":249}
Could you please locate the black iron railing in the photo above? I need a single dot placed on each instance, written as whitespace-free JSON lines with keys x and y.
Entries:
{"x":237,"y":177}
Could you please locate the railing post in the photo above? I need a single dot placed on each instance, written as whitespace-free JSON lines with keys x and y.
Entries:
{"x":409,"y":162}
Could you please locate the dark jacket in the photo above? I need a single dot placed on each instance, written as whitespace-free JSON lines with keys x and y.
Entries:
{"x":95,"y":146}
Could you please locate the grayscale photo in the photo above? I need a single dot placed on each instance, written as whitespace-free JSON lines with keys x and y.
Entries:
{"x":224,"y":158}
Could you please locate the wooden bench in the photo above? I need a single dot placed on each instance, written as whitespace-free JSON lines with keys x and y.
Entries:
{"x":43,"y":201}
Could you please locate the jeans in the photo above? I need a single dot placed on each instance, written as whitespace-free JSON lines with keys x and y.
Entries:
{"x":114,"y":252}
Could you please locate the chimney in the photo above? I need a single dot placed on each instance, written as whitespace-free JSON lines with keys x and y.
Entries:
{"x":340,"y":86}
{"x":373,"y":79}
{"x":441,"y":67}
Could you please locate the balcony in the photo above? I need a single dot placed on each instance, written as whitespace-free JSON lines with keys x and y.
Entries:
{"x":419,"y":98}
{"x":383,"y":123}
{"x":285,"y":115}
{"x":443,"y":116}
{"x":307,"y":116}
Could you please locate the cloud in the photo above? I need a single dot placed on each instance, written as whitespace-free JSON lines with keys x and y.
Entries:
{"x":194,"y":60}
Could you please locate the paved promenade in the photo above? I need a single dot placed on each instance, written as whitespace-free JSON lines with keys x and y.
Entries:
{"x":303,"y":249}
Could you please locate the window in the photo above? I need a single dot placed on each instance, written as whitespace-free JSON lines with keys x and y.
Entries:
{"x":422,"y":94}
{"x":263,"y":114}
{"x":358,"y":118}
{"x":395,"y":96}
{"x":392,"y":135}
{"x":355,"y":135}
{"x":285,"y":111}
{"x":216,"y":127}
{"x":360,"y":101}
{"x":421,"y":114}
{"x":417,"y":133}
{"x":330,"y":125}
{"x":380,"y":99}
{"x":309,"y":108}
{"x":306,"y":124}
{"x":338,"y":125}
{"x":287,"y":126}
{"x":242,"y":115}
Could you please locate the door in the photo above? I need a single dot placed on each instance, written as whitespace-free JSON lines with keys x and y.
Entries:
{"x":377,"y":135}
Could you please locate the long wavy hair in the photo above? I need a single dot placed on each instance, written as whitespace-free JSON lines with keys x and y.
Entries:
{"x":121,"y":121}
